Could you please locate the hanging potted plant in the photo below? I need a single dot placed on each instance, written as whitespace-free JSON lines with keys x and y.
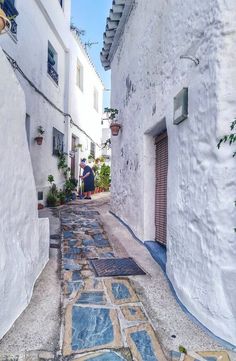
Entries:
{"x":39,"y":138}
{"x":114,"y":125}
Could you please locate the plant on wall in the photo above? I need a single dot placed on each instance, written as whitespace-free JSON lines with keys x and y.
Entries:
{"x":52,"y":196}
{"x":39,"y":138}
{"x":112,"y":116}
{"x":230,"y":139}
{"x":111,"y":113}
{"x":90,"y":158}
{"x":62,"y":164}
{"x":79,"y":146}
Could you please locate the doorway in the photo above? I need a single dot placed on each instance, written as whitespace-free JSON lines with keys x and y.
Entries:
{"x":73,"y":149}
{"x":161,"y":142}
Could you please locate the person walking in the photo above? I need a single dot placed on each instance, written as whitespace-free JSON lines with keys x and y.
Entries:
{"x":88,"y":179}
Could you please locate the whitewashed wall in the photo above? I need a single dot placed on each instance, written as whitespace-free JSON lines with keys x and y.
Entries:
{"x":201,"y":179}
{"x":31,"y":53}
{"x":81,"y":102}
{"x":24,"y":239}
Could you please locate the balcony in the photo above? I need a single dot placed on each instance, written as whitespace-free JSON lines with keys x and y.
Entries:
{"x":9,"y":8}
{"x":52,"y":72}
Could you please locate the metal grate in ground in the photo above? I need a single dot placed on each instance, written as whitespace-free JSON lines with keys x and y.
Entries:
{"x":116,"y":267}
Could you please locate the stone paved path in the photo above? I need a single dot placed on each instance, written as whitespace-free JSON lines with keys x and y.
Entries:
{"x":103,"y":318}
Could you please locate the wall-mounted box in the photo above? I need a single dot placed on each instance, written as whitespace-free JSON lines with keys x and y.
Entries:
{"x":181,"y":106}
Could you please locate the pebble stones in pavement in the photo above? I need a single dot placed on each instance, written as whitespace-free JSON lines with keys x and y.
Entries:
{"x":104,"y":319}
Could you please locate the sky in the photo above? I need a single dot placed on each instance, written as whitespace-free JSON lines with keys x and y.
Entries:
{"x":90,"y":15}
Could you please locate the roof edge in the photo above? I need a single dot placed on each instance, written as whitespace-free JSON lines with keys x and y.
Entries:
{"x":118,"y":17}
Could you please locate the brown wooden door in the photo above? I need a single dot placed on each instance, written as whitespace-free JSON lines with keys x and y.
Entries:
{"x":161,"y":187}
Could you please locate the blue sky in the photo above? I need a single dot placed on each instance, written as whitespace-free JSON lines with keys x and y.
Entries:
{"x":90,"y":15}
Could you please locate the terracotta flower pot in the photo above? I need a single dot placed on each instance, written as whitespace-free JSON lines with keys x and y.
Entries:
{"x":115,"y":128}
{"x":39,"y":140}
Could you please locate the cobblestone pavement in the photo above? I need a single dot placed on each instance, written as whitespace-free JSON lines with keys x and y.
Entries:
{"x":104,"y":319}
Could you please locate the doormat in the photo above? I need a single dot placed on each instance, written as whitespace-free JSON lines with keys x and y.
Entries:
{"x":116,"y":267}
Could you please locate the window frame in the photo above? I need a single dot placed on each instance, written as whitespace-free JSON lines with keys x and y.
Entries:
{"x":52,"y":69}
{"x":95,"y":99}
{"x":57,"y":144}
{"x":80,"y":75}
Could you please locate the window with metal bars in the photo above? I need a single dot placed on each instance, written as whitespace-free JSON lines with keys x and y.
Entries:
{"x":52,"y":63}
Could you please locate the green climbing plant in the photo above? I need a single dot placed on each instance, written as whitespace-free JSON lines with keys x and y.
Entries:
{"x":62,"y":165}
{"x":230,"y":139}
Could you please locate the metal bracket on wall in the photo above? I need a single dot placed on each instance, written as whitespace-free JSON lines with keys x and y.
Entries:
{"x":193,"y":58}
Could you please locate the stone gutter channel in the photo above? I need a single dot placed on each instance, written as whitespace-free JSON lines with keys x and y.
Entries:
{"x":103,"y":317}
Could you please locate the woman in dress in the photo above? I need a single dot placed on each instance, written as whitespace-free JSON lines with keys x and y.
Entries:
{"x":88,"y":179}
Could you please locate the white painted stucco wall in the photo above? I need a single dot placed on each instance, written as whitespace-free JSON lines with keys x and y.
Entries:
{"x":147,"y":73}
{"x":31,"y":52}
{"x":81,"y":101}
{"x":24,"y":238}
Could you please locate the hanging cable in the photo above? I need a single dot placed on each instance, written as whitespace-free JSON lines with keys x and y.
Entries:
{"x":15,"y":66}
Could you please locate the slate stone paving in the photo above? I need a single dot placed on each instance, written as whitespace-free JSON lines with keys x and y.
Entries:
{"x":98,"y":311}
{"x":104,"y":319}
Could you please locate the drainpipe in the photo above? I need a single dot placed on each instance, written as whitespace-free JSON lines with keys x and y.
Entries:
{"x":67,"y":103}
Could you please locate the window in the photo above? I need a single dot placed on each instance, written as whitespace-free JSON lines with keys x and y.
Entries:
{"x":80,"y":76}
{"x":40,"y":196}
{"x":8,"y":6}
{"x":58,"y":142}
{"x":92,"y":149}
{"x":52,"y":63}
{"x":95,"y":99}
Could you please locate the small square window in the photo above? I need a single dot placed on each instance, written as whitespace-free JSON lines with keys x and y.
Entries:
{"x":52,"y":63}
{"x":58,"y":142}
{"x":80,"y":76}
{"x":95,"y":99}
{"x":40,"y":196}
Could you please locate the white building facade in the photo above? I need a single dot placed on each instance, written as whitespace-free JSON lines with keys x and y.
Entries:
{"x":173,"y":82}
{"x":48,"y":54}
{"x":24,"y":238}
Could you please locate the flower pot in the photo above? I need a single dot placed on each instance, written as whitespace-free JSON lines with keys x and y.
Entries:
{"x":115,"y":128}
{"x":39,"y":140}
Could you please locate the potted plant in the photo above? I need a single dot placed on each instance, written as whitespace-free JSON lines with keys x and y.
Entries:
{"x":39,"y":138}
{"x":90,"y":158}
{"x":62,"y":197}
{"x":78,"y":146}
{"x":114,"y":125}
{"x":52,"y":196}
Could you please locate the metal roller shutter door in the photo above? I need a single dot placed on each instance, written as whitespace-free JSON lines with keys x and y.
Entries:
{"x":161,"y":187}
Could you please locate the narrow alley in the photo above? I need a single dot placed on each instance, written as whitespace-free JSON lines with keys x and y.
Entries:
{"x":104,"y":318}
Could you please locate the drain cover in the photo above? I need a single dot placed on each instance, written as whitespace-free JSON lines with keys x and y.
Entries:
{"x":116,"y":267}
